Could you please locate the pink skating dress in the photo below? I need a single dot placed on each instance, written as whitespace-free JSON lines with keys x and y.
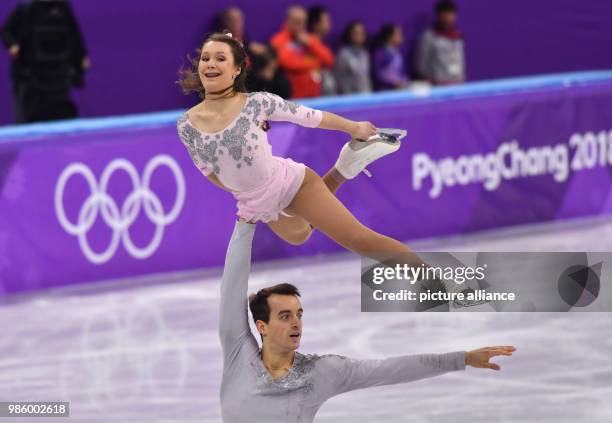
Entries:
{"x":241,"y":157}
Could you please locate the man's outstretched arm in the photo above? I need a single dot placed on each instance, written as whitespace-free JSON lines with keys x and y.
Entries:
{"x":233,"y":319}
{"x":348,"y":374}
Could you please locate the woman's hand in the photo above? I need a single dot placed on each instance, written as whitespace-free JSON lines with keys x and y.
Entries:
{"x":363,"y":130}
{"x":480,"y":357}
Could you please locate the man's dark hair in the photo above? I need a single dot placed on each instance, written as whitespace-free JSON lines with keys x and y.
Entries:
{"x":259,"y":302}
{"x":384,"y":35}
{"x":314,"y":16}
{"x":445,"y":6}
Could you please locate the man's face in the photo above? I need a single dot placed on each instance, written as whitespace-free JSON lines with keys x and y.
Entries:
{"x":447,"y":19}
{"x":296,"y":20}
{"x":358,"y":35}
{"x":234,"y":21}
{"x":284,"y":328}
{"x":324,"y":25}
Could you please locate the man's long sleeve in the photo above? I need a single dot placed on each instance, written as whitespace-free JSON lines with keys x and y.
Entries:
{"x":233,"y":319}
{"x":345,"y":374}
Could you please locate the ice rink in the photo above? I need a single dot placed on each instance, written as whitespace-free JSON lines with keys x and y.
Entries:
{"x":146,"y":350}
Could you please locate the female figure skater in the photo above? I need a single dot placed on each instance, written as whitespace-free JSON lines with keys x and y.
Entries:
{"x":225,"y":135}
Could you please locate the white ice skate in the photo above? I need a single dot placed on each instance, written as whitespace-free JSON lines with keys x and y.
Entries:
{"x":357,"y":154}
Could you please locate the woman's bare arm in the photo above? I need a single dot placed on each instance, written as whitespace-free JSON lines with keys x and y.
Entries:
{"x":358,"y":130}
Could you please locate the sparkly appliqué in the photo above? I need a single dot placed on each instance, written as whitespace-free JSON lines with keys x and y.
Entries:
{"x":271,"y":108}
{"x":283,"y":105}
{"x":253,"y":109}
{"x":292,"y":107}
{"x":235,"y":139}
{"x":198,"y":150}
{"x":206,"y":153}
{"x":189,"y":135}
{"x":299,"y":377}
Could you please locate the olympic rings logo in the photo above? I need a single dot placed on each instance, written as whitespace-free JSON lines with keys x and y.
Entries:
{"x":120,"y":219}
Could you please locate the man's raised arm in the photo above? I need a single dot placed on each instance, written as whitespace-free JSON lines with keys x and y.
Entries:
{"x":233,"y":319}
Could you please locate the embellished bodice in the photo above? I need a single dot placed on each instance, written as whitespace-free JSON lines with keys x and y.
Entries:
{"x":294,"y":397}
{"x":240,"y":154}
{"x":300,"y":376}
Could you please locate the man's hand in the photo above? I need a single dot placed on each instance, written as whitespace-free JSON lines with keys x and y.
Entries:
{"x":480,"y":358}
{"x":363,"y":130}
{"x":14,"y":51}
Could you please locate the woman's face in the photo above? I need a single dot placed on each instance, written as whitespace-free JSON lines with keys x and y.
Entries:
{"x":358,"y":35}
{"x":398,"y":37}
{"x":216,"y":66}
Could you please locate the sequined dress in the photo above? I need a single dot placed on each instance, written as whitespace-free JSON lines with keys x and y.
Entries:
{"x":242,"y":159}
{"x":248,"y":391}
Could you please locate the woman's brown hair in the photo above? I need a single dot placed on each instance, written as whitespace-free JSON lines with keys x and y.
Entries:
{"x":189,"y":78}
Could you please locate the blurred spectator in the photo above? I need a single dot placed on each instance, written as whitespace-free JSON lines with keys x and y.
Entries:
{"x":232,"y":20}
{"x":48,"y":58}
{"x":389,"y":70}
{"x":300,"y":54}
{"x":319,"y":25}
{"x":440,"y":54}
{"x":353,"y":61}
{"x":265,"y":75}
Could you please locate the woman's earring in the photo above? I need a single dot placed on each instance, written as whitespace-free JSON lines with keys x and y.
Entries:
{"x":233,"y":76}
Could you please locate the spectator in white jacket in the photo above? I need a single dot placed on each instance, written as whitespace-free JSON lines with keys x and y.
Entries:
{"x":353,"y":61}
{"x":440,"y":55}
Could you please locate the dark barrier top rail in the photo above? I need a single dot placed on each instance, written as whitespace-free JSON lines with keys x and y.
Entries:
{"x":469,"y":90}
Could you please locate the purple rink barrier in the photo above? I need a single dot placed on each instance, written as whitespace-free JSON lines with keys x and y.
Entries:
{"x":94,"y":200}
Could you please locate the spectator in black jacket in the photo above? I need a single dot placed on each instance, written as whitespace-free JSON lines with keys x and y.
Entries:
{"x":48,"y":58}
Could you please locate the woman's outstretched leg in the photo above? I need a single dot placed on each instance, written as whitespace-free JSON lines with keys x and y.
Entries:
{"x":317,"y":205}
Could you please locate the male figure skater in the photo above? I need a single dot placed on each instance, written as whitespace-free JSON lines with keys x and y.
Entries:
{"x":278,"y":384}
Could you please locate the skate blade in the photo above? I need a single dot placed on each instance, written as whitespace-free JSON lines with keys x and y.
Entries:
{"x":386,"y":135}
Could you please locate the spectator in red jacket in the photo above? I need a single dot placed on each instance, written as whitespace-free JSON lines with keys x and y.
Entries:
{"x":301,"y":55}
